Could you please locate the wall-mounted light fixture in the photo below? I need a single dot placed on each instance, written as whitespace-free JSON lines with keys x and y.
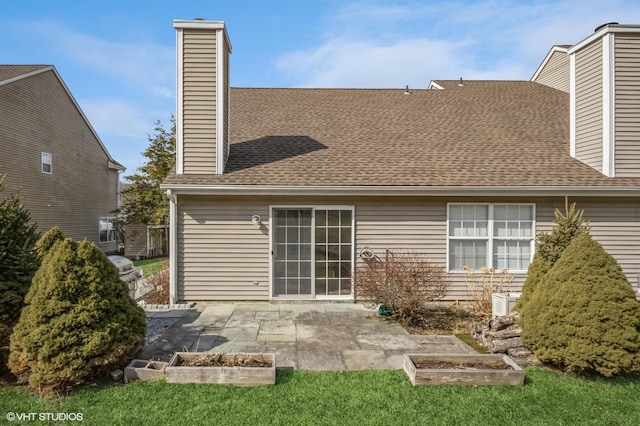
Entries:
{"x":255,"y":219}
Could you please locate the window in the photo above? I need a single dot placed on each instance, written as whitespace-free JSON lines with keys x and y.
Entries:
{"x":107,"y":230}
{"x":46,"y":163}
{"x":494,"y":235}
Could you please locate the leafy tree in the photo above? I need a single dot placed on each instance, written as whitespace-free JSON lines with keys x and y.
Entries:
{"x":78,"y":321}
{"x":584,"y":316}
{"x":18,"y":263}
{"x":144,"y":202}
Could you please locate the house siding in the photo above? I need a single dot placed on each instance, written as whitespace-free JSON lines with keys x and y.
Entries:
{"x":627,"y":104}
{"x":227,"y":103}
{"x":555,"y":72}
{"x":221,"y":253}
{"x":199,"y":100}
{"x":136,"y":241}
{"x":39,"y":116}
{"x":589,"y":93}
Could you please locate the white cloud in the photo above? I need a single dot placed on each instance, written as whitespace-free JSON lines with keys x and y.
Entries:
{"x":147,"y":66}
{"x":344,"y":63}
{"x":119,"y":118}
{"x":123,"y":127}
{"x":369,"y":44}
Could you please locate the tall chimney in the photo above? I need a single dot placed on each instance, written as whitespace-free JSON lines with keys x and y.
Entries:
{"x":202,"y":122}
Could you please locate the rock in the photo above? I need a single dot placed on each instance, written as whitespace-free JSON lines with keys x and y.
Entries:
{"x":117,"y":375}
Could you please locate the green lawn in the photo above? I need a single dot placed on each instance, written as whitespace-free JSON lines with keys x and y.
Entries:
{"x":350,"y":398}
{"x":150,"y":266}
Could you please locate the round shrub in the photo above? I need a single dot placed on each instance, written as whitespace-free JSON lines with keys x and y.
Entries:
{"x":584,"y":316}
{"x":79,"y":321}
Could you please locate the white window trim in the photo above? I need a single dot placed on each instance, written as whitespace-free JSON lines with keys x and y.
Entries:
{"x":108,"y":219}
{"x":490,"y":237}
{"x":313,"y":207}
{"x":43,"y":162}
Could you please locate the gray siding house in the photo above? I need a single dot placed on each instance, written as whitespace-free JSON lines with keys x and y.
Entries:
{"x":277,"y":192}
{"x":50,"y":152}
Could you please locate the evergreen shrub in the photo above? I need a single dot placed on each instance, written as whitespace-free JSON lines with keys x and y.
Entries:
{"x":18,"y":263}
{"x":79,"y":321}
{"x":549,"y":248}
{"x":584,"y":316}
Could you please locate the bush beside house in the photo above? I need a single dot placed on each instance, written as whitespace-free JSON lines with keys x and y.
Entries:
{"x":583,"y":316}
{"x":79,"y":321}
{"x":549,"y":248}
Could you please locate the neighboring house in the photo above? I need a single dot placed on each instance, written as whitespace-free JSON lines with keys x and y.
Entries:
{"x":50,"y":152}
{"x":277,"y":192}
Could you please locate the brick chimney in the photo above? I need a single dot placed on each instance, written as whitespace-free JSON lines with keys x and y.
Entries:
{"x":202,"y":122}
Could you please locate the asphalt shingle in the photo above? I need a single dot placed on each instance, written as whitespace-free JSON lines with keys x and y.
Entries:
{"x":487,"y":133}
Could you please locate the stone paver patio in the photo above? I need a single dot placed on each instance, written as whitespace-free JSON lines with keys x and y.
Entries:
{"x":304,"y":336}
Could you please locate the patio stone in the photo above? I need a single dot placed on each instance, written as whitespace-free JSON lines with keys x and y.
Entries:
{"x":305,"y":336}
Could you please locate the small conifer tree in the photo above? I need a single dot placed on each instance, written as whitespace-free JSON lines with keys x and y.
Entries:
{"x":584,"y":316}
{"x":18,"y":263}
{"x":549,"y":248}
{"x":79,"y":321}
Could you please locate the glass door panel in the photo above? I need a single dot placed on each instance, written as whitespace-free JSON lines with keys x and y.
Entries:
{"x":292,"y":252}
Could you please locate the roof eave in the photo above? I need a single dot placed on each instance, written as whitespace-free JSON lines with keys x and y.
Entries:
{"x":405,"y":191}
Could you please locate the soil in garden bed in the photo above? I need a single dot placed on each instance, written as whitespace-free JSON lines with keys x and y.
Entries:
{"x":224,"y":361}
{"x":441,"y":365}
{"x":439,"y":319}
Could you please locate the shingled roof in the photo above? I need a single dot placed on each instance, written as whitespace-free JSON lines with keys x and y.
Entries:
{"x":487,"y":133}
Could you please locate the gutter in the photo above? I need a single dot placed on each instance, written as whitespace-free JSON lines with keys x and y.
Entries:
{"x":405,"y":191}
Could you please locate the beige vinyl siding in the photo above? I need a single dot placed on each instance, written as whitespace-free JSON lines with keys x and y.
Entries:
{"x":555,"y":72}
{"x":221,"y":252}
{"x":616,"y":225}
{"x":135,"y":238}
{"x":37,"y":115}
{"x":226,"y":105}
{"x":589,"y":92}
{"x":627,"y":113}
{"x":199,"y":101}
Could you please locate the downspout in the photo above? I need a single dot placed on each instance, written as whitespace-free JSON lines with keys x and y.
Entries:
{"x":173,"y":247}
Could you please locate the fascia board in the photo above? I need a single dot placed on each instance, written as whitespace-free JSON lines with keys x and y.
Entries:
{"x":602,"y":32}
{"x":405,"y":191}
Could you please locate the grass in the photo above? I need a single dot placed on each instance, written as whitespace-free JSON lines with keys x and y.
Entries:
{"x":150,"y":266}
{"x":349,"y":398}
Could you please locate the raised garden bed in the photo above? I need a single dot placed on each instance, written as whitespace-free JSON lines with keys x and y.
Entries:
{"x":240,"y":369}
{"x":142,"y":369}
{"x":463,"y":369}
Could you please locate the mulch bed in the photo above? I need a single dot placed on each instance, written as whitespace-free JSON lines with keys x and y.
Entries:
{"x":214,"y":360}
{"x":435,"y":365}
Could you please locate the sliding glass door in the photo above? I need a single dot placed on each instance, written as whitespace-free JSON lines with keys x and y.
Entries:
{"x":312,"y":252}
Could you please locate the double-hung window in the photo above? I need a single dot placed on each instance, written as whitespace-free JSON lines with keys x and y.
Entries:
{"x":494,"y":235}
{"x":106,"y":229}
{"x":46,"y":162}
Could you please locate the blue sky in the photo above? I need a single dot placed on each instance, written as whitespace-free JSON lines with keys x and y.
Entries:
{"x":118,"y":57}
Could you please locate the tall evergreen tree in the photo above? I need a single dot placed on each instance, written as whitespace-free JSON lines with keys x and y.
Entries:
{"x":145,"y":202}
{"x":18,"y":263}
